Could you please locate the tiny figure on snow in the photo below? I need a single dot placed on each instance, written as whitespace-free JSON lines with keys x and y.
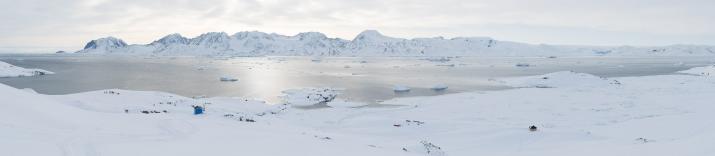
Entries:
{"x":532,"y":128}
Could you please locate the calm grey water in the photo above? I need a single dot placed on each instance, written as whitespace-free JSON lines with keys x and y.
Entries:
{"x":364,"y":79}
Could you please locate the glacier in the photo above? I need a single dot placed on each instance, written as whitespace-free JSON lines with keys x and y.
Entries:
{"x":367,"y":43}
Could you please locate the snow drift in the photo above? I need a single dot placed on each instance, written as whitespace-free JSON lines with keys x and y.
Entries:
{"x":559,"y":79}
{"x":704,"y":71}
{"x":8,"y":70}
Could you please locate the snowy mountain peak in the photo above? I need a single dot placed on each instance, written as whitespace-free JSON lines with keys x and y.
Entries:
{"x":212,"y":35}
{"x":104,"y":44}
{"x":172,"y":39}
{"x":368,"y":43}
{"x":370,"y":32}
{"x":212,"y":40}
{"x":311,"y":36}
{"x":371,"y":35}
{"x":253,"y":35}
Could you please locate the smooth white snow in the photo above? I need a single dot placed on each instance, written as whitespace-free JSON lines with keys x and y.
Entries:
{"x":9,"y":70}
{"x":579,"y":114}
{"x":560,"y":79}
{"x":704,"y":71}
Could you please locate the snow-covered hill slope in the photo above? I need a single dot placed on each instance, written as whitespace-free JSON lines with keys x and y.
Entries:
{"x":9,"y":70}
{"x":367,"y":43}
{"x":559,"y":79}
{"x":704,"y":71}
{"x":586,"y":115}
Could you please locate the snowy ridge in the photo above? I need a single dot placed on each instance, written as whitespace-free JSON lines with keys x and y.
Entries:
{"x":107,"y":45}
{"x":367,"y":43}
{"x":9,"y":70}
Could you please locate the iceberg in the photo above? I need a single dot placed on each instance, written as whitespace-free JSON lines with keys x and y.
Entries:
{"x":401,"y":88}
{"x":226,"y":78}
{"x":439,"y":87}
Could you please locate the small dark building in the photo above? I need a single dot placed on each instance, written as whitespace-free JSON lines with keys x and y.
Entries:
{"x":532,"y":128}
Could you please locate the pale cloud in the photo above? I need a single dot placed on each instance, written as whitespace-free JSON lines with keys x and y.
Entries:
{"x":70,"y":23}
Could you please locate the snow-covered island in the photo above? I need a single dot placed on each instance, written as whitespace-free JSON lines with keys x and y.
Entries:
{"x":571,"y":114}
{"x":367,"y":43}
{"x":9,"y":70}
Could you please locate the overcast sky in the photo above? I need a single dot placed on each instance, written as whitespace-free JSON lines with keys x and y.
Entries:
{"x":29,"y":25}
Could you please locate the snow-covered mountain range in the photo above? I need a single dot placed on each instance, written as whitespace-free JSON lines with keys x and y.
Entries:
{"x":367,"y":43}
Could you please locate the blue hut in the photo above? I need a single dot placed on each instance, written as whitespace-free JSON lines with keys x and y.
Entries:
{"x":198,"y":110}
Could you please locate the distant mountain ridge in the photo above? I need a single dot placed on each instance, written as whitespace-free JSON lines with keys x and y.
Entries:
{"x":367,"y":43}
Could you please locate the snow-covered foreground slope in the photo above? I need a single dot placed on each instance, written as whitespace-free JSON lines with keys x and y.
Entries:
{"x":560,"y":79}
{"x":367,"y":43}
{"x":578,"y":114}
{"x":9,"y":70}
{"x":704,"y":71}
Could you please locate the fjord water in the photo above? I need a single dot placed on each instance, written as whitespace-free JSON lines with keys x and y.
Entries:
{"x":363,"y":79}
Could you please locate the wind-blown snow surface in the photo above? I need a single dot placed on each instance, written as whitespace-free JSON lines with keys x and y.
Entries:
{"x":367,"y":43}
{"x":704,"y":71}
{"x":651,"y":115}
{"x":560,"y":79}
{"x":9,"y":70}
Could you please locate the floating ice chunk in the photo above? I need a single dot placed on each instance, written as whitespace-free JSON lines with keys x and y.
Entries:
{"x":309,"y":96}
{"x":703,"y":71}
{"x":440,"y":59}
{"x":446,"y":65}
{"x":226,"y":78}
{"x":523,"y":65}
{"x":401,"y":88}
{"x":439,"y":87}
